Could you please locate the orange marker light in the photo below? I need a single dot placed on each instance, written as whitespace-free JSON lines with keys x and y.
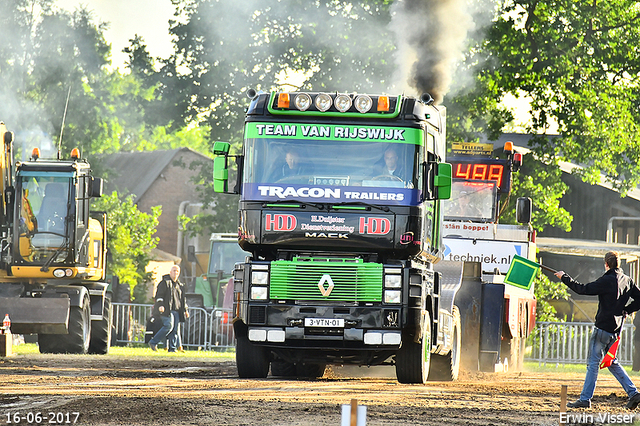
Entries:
{"x":75,"y":153}
{"x":283,"y":100}
{"x":35,"y":153}
{"x":383,"y":104}
{"x":508,"y":146}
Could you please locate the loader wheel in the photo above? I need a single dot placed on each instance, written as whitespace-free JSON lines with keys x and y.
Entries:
{"x":447,"y":367}
{"x":77,"y":341}
{"x":252,"y":360}
{"x":101,"y":331}
{"x":413,"y":359}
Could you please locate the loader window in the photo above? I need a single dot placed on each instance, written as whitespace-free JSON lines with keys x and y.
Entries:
{"x":43,"y":209}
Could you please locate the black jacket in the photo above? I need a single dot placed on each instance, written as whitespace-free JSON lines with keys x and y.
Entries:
{"x":171,"y":295}
{"x":613,"y":290}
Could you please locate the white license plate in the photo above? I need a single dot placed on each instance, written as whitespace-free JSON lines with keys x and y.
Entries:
{"x":324,"y":322}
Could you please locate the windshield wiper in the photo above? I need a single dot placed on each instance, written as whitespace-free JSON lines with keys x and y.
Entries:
{"x":45,"y":267}
{"x":360,"y":203}
{"x":292,"y":203}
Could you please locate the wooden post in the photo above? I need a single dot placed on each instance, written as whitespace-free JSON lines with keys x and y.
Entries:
{"x":6,"y":344}
{"x":354,"y":412}
{"x":563,"y":401}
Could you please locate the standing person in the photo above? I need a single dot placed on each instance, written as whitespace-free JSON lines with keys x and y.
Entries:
{"x":172,"y":307}
{"x":612,"y":289}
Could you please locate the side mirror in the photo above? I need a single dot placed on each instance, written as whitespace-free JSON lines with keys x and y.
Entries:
{"x":221,"y":148}
{"x":524,"y":208}
{"x":220,"y":174}
{"x":442,"y":181}
{"x":97,"y":185}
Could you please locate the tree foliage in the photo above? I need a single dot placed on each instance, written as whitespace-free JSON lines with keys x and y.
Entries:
{"x":129,"y":238}
{"x":578,"y":63}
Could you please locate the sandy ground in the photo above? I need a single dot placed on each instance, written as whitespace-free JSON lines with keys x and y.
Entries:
{"x":192,"y":391}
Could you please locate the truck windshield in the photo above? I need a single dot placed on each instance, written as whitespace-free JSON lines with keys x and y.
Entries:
{"x":43,"y":207}
{"x":332,"y":170}
{"x":472,"y":201}
{"x":224,"y":256}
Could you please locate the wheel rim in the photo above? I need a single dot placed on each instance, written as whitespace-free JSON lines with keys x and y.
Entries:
{"x":426,"y":354}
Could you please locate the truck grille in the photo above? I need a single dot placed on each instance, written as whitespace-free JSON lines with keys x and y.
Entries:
{"x":299,"y":279}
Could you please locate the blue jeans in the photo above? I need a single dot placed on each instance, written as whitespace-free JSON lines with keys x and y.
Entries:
{"x":172,"y":336}
{"x":168,"y":331}
{"x":599,"y":343}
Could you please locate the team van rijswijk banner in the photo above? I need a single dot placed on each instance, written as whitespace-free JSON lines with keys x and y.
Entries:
{"x":327,"y":193}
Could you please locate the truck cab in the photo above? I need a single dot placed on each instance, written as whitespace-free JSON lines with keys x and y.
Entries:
{"x":340,"y":210}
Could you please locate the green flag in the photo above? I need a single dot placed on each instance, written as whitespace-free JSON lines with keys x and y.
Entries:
{"x":521,"y":272}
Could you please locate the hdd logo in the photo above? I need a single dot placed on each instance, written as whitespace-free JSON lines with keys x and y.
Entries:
{"x":326,"y":279}
{"x":374,"y":225}
{"x":280,"y":222}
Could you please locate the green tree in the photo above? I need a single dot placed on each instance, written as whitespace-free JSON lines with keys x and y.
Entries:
{"x":224,"y":47}
{"x":577,"y":63}
{"x":129,"y":241}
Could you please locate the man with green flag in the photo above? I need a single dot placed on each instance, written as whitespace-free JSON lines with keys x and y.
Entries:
{"x":613,"y":290}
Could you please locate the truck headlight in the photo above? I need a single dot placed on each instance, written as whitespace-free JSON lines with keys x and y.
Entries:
{"x":393,"y":281}
{"x":392,"y":296}
{"x":259,"y":293}
{"x":259,"y":277}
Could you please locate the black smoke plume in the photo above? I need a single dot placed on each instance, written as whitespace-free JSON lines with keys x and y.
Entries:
{"x":431,"y":37}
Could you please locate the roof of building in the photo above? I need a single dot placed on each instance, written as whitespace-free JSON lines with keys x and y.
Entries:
{"x":134,"y":172}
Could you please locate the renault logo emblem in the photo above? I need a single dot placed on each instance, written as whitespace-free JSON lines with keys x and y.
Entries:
{"x":326,"y":279}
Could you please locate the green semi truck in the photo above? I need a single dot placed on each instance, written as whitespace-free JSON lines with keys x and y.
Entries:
{"x":340,"y":210}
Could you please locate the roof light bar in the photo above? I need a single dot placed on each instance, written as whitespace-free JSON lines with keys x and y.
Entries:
{"x":323,"y":102}
{"x":343,"y":103}
{"x":363,"y":103}
{"x":302,"y":101}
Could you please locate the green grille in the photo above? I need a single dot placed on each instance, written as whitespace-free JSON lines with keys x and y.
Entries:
{"x":353,"y":280}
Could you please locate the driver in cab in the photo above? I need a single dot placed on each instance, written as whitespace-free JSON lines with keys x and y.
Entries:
{"x":392,"y":167}
{"x":292,"y":166}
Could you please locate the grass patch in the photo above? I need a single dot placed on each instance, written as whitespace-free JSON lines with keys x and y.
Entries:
{"x":569,"y":368}
{"x":139,"y":351}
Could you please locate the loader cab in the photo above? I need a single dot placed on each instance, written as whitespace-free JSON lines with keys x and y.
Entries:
{"x":53,"y":225}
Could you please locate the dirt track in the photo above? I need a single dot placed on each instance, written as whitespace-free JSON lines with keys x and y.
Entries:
{"x":190,"y":391}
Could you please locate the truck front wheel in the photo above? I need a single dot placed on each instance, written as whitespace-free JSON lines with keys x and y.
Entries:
{"x":101,"y":331}
{"x":413,"y":359}
{"x":77,"y":340}
{"x":447,"y":367}
{"x":252,"y":360}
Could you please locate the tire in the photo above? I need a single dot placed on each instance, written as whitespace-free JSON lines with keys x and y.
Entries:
{"x":447,"y":367}
{"x":413,"y":359}
{"x":252,"y":361}
{"x":283,"y":369}
{"x":101,"y":331}
{"x":77,"y":341}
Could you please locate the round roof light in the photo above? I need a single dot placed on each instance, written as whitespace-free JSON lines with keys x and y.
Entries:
{"x":363,"y":103}
{"x":323,"y":102}
{"x":302,"y":101}
{"x":343,"y":103}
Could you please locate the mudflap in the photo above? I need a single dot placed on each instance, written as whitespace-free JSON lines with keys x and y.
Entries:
{"x":47,"y":315}
{"x":469,"y":301}
{"x":491,"y":325}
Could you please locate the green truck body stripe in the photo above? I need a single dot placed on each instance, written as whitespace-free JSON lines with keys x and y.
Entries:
{"x":332,"y":132}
